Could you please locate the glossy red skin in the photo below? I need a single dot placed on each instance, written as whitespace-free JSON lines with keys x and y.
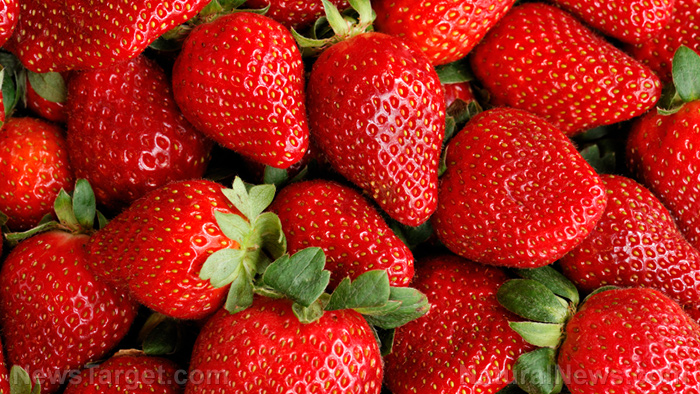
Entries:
{"x":128,"y":373}
{"x":352,"y":234}
{"x":662,"y":151}
{"x":266,"y":349}
{"x":445,"y":30}
{"x":34,"y":166}
{"x":54,"y":35}
{"x":683,"y":29}
{"x":252,"y":106}
{"x":126,"y":114}
{"x":295,"y":14}
{"x":516,"y":192}
{"x":458,"y":91}
{"x":376,"y":111}
{"x":52,"y":111}
{"x":631,"y":341}
{"x":635,"y":244}
{"x":9,"y":13}
{"x":157,"y":247}
{"x":55,"y":315}
{"x":579,"y":83}
{"x":463,"y":344}
{"x":4,"y":375}
{"x":630,"y":21}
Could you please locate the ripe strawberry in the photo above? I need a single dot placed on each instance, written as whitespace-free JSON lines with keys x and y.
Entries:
{"x":266,"y":349}
{"x":458,"y":91}
{"x":128,"y":372}
{"x":516,"y":192}
{"x":444,"y":30}
{"x":127,"y":113}
{"x":33,"y":168}
{"x":256,"y":106}
{"x":579,"y":83}
{"x":4,"y":376}
{"x":376,"y":110}
{"x":54,"y":111}
{"x":55,"y":315}
{"x":683,"y":29}
{"x":294,"y":14}
{"x":56,"y":36}
{"x":630,"y":21}
{"x":9,"y":12}
{"x":636,"y":243}
{"x":662,"y":151}
{"x":463,"y":344}
{"x":352,"y":234}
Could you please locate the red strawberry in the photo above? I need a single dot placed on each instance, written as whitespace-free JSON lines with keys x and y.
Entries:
{"x":636,"y":243}
{"x":128,"y":372}
{"x":576,"y":84}
{"x":662,"y":150}
{"x":376,"y":110}
{"x":82,"y":34}
{"x":463,"y":344}
{"x":240,"y":80}
{"x":458,"y":91}
{"x":445,"y":30}
{"x":54,"y":111}
{"x":127,"y":115}
{"x":55,"y":315}
{"x":294,"y":14}
{"x":4,"y":376}
{"x":683,"y":29}
{"x":33,"y":168}
{"x":9,"y":12}
{"x":267,"y":349}
{"x":353,"y":236}
{"x":516,"y":192}
{"x":630,"y":21}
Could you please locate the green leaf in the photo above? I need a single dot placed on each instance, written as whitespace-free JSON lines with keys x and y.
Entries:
{"x":84,"y":204}
{"x":49,"y":86}
{"x":300,"y":277}
{"x":371,"y":289}
{"x":20,"y":382}
{"x":163,"y":339}
{"x":455,"y":72}
{"x":233,"y":226}
{"x":536,"y":372}
{"x":554,"y":280}
{"x":275,"y":176}
{"x":251,"y":201}
{"x":686,"y":73}
{"x":240,"y":294}
{"x":414,"y":304}
{"x":222,"y":267}
{"x":532,"y":300}
{"x":308,"y":314}
{"x":335,"y":19}
{"x":539,"y":334}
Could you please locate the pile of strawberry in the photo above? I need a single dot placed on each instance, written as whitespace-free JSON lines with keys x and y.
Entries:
{"x":402,"y":196}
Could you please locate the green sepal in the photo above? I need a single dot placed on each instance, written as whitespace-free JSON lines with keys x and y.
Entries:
{"x":63,"y":206}
{"x":539,"y":334}
{"x":335,"y":19}
{"x":385,"y":339}
{"x":84,"y":204}
{"x":300,"y":277}
{"x":267,"y":230}
{"x":603,"y":162}
{"x":414,"y":305}
{"x":223,"y":267}
{"x":532,"y":300}
{"x":21,"y":382}
{"x":686,"y":73}
{"x":371,"y":289}
{"x":598,"y":291}
{"x":240,"y":294}
{"x":409,"y":235}
{"x":461,"y":112}
{"x":455,"y":72}
{"x":101,"y":220}
{"x":15,"y":238}
{"x":554,"y":280}
{"x":13,"y":82}
{"x":163,"y":339}
{"x":250,"y":200}
{"x":50,"y":86}
{"x":536,"y":372}
{"x":512,"y":388}
{"x":308,"y":314}
{"x":275,"y":176}
{"x":3,"y":219}
{"x":366,"y":14}
{"x":233,"y":226}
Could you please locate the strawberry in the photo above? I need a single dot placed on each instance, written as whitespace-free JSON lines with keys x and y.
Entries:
{"x":444,"y":30}
{"x":352,"y":234}
{"x":580,"y":83}
{"x":9,"y":13}
{"x":636,"y":243}
{"x":458,"y":91}
{"x":516,"y":192}
{"x":84,"y":34}
{"x":128,"y":371}
{"x":4,"y":376}
{"x":683,"y":29}
{"x":34,"y":166}
{"x":256,"y":107}
{"x":54,"y":111}
{"x":463,"y":344}
{"x":294,"y":14}
{"x":267,"y":349}
{"x":630,"y":21}
{"x":376,"y":110}
{"x":127,"y":113}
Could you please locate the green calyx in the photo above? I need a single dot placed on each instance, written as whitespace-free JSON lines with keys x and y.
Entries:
{"x":50,"y":86}
{"x":686,"y":82}
{"x":12,"y":82}
{"x":21,"y":382}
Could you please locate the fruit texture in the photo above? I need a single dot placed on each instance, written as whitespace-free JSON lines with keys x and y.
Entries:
{"x":9,"y":13}
{"x":580,"y":83}
{"x":444,"y":30}
{"x":352,"y":234}
{"x":34,"y":166}
{"x":376,"y":110}
{"x":266,"y":349}
{"x":4,"y":377}
{"x":240,"y":80}
{"x":127,"y":116}
{"x":463,"y":344}
{"x":516,"y":192}
{"x":294,"y":14}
